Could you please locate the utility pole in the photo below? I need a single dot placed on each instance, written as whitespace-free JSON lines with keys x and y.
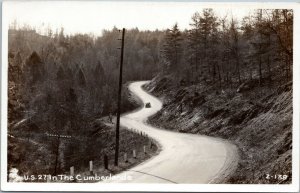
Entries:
{"x":119,"y":102}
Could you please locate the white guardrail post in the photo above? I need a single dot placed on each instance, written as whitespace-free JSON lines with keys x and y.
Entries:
{"x":134,"y":153}
{"x":91,"y":168}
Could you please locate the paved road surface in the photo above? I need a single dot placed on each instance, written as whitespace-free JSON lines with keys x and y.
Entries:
{"x":184,"y":158}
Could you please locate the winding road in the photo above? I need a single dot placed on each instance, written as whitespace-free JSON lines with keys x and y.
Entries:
{"x":183,"y":158}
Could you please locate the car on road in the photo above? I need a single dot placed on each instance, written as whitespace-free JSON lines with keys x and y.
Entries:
{"x":148,"y":105}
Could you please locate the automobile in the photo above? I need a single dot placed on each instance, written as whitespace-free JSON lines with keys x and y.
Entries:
{"x":148,"y":105}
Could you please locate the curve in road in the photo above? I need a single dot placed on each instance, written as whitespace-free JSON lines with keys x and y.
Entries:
{"x":183,"y":158}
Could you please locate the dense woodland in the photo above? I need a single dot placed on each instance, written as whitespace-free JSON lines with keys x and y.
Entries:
{"x":225,"y":51}
{"x":62,"y":83}
{"x":81,"y":67}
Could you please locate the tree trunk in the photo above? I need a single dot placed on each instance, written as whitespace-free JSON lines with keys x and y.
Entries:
{"x":219,"y":74}
{"x":259,"y":70}
{"x":269,"y":70}
{"x":287,"y":67}
{"x":238,"y":68}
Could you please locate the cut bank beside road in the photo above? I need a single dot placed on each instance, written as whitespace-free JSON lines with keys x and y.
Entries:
{"x":257,"y":119}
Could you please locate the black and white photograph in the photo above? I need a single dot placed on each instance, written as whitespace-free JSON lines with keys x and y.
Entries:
{"x":149,"y":96}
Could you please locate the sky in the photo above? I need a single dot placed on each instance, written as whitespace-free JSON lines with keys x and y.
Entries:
{"x":93,"y":17}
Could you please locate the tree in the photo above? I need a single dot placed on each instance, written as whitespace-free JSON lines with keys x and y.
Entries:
{"x":194,"y":43}
{"x":208,"y":26}
{"x":15,"y":68}
{"x":282,"y":26}
{"x":214,"y":40}
{"x":248,"y":30}
{"x":60,"y":75}
{"x":35,"y":69}
{"x":203,"y":41}
{"x":81,"y":78}
{"x":225,"y":50}
{"x":234,"y":46}
{"x":99,"y":75}
{"x":172,"y":49}
{"x":258,"y":43}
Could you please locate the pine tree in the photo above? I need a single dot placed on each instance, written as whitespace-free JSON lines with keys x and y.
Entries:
{"x":172,"y":49}
{"x":207,"y":25}
{"x":99,"y":75}
{"x":35,"y":69}
{"x":15,"y":68}
{"x":214,"y":40}
{"x":81,"y":78}
{"x":247,"y":28}
{"x":194,"y":43}
{"x":60,"y":75}
{"x":203,"y":40}
{"x":225,"y":50}
{"x":234,"y":47}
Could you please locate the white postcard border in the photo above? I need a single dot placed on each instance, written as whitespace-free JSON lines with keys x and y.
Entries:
{"x":294,"y":187}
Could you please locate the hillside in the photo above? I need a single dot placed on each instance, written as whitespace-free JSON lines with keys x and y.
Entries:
{"x":62,"y":85}
{"x":257,"y":119}
{"x":33,"y":143}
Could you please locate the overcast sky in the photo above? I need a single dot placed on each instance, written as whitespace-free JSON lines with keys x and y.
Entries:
{"x":93,"y":17}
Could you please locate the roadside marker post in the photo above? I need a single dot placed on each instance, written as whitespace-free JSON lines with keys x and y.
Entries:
{"x":105,"y":162}
{"x":145,"y":150}
{"x":150,"y":144}
{"x":72,"y":171}
{"x":91,"y":168}
{"x":125,"y":157}
{"x":134,"y":154}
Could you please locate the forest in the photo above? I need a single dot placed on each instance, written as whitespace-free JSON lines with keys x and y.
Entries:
{"x":60,"y":83}
{"x":227,"y":52}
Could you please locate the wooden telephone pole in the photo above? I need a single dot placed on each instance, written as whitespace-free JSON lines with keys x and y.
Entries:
{"x":119,"y":102}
